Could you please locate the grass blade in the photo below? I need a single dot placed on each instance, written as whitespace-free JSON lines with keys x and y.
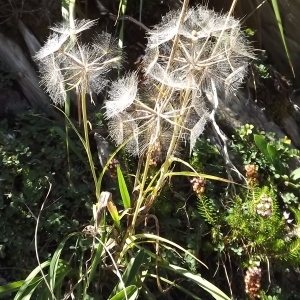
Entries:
{"x":131,"y":292}
{"x":200,"y":281}
{"x":279,"y":22}
{"x":123,"y":189}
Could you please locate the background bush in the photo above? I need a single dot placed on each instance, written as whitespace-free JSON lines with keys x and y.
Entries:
{"x":33,"y":156}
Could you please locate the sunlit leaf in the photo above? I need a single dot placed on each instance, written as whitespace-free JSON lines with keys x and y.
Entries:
{"x":123,"y":189}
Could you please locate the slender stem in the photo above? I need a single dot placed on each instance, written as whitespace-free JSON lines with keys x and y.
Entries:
{"x":141,"y":189}
{"x":86,"y":136}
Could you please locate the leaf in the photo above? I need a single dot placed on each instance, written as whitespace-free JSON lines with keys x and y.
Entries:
{"x":279,"y":22}
{"x":275,"y":159}
{"x":200,"y":281}
{"x":123,"y":189}
{"x":31,"y":279}
{"x":130,"y":275}
{"x":114,"y":213}
{"x":55,"y":261}
{"x":131,"y":292}
{"x":96,"y":260}
{"x":9,"y":288}
{"x":270,"y":152}
{"x":133,"y":268}
{"x":295,"y":175}
{"x":152,"y":238}
{"x":262,"y":146}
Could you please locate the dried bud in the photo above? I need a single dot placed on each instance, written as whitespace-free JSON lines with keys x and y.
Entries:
{"x":252,"y":282}
{"x":198,"y":184}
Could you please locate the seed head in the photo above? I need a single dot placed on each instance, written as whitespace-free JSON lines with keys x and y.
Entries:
{"x":65,"y":63}
{"x":211,"y":46}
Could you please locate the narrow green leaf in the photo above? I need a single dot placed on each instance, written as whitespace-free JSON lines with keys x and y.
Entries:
{"x":178,"y":286}
{"x":9,"y":288}
{"x":192,"y":174}
{"x":200,"y":281}
{"x":132,"y":271}
{"x":131,"y":292}
{"x":95,"y":261}
{"x":31,"y":288}
{"x":123,"y":189}
{"x":55,"y":261}
{"x":279,"y":22}
{"x":31,"y":279}
{"x":152,"y":238}
{"x":133,"y":267}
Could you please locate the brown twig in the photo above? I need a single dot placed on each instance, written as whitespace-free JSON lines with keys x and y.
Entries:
{"x":105,"y":12}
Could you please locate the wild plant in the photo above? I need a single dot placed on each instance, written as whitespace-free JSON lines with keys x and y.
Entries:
{"x":191,"y":55}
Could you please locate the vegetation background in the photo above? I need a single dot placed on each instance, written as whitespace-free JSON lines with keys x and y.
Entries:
{"x":247,"y":234}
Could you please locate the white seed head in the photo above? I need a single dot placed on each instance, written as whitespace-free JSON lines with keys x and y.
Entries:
{"x":122,"y":94}
{"x":67,"y":64}
{"x":53,"y":44}
{"x":79,"y":25}
{"x":211,"y":53}
{"x":122,"y":128}
{"x":53,"y":80}
{"x":210,"y":46}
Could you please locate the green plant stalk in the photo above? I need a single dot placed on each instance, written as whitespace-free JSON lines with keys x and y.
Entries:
{"x":279,"y":22}
{"x":122,"y":11}
{"x":174,"y":141}
{"x":141,"y":189}
{"x":173,"y":144}
{"x":147,"y":195}
{"x":68,"y":14}
{"x":86,"y":136}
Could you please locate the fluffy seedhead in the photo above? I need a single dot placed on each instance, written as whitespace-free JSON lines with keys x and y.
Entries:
{"x":66,"y":64}
{"x":151,"y":123}
{"x":183,"y":62}
{"x":211,"y":47}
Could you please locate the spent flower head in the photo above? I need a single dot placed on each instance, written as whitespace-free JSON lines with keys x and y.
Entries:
{"x":183,"y":62}
{"x":65,"y":63}
{"x":210,"y":47}
{"x":151,"y":120}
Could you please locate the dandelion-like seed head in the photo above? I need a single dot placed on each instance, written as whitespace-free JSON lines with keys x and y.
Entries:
{"x":123,"y":128}
{"x":210,"y":46}
{"x":210,"y":53}
{"x":66,"y":63}
{"x":122,"y":94}
{"x":150,"y":121}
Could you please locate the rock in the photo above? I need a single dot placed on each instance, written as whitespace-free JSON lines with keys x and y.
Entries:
{"x":267,"y":35}
{"x":2,"y":281}
{"x":24,"y":74}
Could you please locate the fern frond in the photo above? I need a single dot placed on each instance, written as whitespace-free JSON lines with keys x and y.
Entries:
{"x":207,"y":210}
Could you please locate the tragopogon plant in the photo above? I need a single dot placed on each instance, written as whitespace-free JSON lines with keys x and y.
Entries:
{"x":191,"y":54}
{"x":210,"y":50}
{"x":67,"y":64}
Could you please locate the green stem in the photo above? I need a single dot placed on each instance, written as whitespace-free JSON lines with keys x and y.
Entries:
{"x":86,"y":136}
{"x":140,"y":199}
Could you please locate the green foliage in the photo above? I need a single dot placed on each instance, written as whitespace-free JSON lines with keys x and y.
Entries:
{"x":262,"y":149}
{"x":207,"y":209}
{"x":260,"y":230}
{"x":281,"y":30}
{"x":33,"y":156}
{"x":260,"y":223}
{"x":263,"y":69}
